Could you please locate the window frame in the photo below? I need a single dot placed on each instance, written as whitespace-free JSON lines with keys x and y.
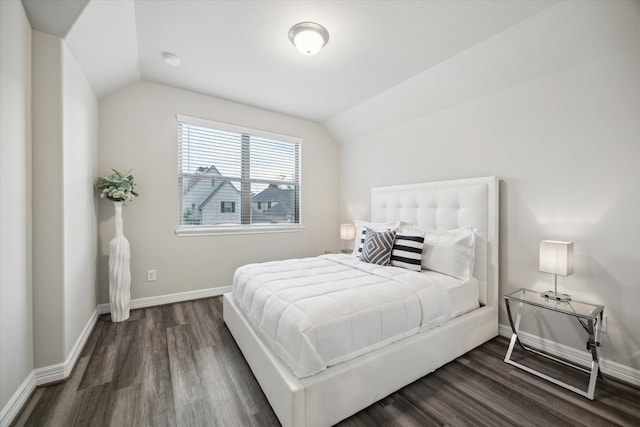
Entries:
{"x":245,"y":202}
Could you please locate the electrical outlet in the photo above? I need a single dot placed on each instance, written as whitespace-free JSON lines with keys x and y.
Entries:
{"x":603,"y":327}
{"x":151,"y":275}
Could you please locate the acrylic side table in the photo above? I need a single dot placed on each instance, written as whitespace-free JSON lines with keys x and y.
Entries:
{"x":589,"y":315}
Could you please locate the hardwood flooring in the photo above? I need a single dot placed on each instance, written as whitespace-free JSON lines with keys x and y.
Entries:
{"x":177,"y":365}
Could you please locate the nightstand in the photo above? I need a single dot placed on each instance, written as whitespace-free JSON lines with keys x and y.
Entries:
{"x":589,"y":316}
{"x":339,"y":251}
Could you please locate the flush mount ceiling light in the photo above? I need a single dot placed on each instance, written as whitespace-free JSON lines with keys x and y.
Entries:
{"x":171,"y":59}
{"x":308,"y":37}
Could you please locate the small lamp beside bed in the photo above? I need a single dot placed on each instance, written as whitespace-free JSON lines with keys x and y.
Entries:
{"x":347,"y":232}
{"x":556,"y":258}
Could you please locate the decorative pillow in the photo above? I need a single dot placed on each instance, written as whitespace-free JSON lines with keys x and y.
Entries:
{"x":407,"y":251}
{"x":450,"y":252}
{"x":377,"y":247}
{"x":361,"y":230}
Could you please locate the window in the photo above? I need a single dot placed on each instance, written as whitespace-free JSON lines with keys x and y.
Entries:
{"x":227,"y":207}
{"x":236,"y":179}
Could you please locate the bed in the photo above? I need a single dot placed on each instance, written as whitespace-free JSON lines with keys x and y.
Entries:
{"x":339,"y":390}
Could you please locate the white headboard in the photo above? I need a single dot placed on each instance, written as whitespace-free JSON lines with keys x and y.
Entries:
{"x":447,"y":205}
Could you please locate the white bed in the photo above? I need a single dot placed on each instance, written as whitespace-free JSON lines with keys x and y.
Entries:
{"x":345,"y":388}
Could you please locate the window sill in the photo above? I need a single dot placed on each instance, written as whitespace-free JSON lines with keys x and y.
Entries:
{"x":247,"y":229}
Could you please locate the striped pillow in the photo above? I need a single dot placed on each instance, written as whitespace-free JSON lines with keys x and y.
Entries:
{"x":360,"y":242}
{"x":377,"y":247}
{"x":407,"y":252}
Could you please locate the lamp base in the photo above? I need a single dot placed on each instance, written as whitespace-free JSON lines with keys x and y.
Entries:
{"x":556,"y":296}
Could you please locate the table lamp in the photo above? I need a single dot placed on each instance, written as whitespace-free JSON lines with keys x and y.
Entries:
{"x":556,"y":258}
{"x":347,"y":232}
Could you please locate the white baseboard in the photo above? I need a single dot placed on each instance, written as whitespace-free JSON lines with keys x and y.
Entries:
{"x":61,"y":371}
{"x":46,"y":375}
{"x":170,"y":298}
{"x":18,"y":400}
{"x":608,"y":367}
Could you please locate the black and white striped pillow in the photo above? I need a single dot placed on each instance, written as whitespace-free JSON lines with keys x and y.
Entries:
{"x":377,"y":247}
{"x":407,"y":252}
{"x":360,"y":241}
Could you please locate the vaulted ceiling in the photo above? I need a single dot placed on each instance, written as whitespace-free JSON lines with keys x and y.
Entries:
{"x":239,"y":50}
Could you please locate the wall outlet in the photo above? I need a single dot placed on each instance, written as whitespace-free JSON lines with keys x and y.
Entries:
{"x":603,"y":327}
{"x":151,"y":275}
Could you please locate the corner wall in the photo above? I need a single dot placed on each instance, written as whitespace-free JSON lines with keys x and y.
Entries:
{"x":80,"y":165}
{"x":64,"y":166}
{"x":552,"y":107}
{"x":48,"y":198}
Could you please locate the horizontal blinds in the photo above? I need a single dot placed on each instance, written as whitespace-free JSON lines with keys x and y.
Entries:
{"x":230,"y":176}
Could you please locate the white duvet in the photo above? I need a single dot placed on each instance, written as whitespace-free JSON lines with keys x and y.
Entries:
{"x":317,"y":312}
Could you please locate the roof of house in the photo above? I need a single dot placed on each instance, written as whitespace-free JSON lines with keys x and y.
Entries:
{"x":276,"y":194}
{"x":217,"y":187}
{"x":203,"y":173}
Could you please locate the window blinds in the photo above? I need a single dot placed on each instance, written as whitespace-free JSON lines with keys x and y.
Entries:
{"x":230,"y":176}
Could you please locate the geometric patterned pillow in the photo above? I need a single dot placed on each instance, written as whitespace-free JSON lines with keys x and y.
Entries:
{"x":363,"y":226}
{"x":377,"y":247}
{"x":407,"y":252}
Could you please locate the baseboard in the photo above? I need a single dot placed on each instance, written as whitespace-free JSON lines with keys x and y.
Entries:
{"x":18,"y":400}
{"x":61,"y":371}
{"x":608,"y":367}
{"x":170,"y":298}
{"x":46,"y":374}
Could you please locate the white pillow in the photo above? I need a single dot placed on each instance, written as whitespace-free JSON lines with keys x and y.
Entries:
{"x":410,"y":228}
{"x":450,"y":252}
{"x":362,"y":226}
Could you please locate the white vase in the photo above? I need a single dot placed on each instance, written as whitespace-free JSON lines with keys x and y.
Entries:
{"x":119,"y":272}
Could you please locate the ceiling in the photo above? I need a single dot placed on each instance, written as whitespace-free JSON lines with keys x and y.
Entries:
{"x":239,"y":50}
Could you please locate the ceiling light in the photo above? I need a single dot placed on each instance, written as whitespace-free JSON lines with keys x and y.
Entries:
{"x":308,"y":37}
{"x":171,"y":59}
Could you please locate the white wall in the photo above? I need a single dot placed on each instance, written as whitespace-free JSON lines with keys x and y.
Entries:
{"x":48,"y":198}
{"x":16,"y":338}
{"x":80,"y":165}
{"x":64,"y":225}
{"x":552,"y":107}
{"x":138,"y":130}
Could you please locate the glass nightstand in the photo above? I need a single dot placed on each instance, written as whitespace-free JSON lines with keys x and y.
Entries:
{"x":589,"y":315}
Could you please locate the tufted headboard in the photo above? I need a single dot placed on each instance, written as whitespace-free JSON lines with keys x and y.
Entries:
{"x":447,"y":205}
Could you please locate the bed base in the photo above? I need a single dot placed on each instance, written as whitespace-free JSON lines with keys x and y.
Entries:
{"x":344,"y":389}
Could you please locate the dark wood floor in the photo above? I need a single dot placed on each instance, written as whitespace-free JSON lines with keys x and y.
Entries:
{"x":177,"y":365}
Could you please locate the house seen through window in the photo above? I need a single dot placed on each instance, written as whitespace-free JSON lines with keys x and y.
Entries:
{"x":230,"y":176}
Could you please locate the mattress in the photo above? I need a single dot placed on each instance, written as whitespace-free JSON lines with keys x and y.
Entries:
{"x":317,"y":312}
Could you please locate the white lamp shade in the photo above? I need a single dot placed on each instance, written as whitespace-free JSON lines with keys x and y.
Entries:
{"x":556,"y":257}
{"x":347,"y":232}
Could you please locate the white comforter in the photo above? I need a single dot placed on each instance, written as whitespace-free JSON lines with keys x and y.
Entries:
{"x":316,"y":312}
